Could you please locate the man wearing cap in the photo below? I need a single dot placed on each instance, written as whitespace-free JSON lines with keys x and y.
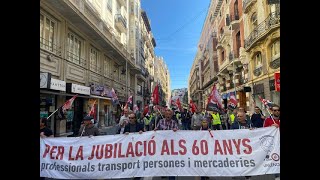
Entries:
{"x":88,"y":128}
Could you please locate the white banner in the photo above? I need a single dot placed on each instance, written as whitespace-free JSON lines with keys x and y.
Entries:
{"x":241,"y":152}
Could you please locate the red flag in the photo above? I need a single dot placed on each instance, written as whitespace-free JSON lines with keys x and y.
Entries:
{"x":214,"y":100}
{"x":268,"y":104}
{"x":155,"y":95}
{"x":92,"y":111}
{"x":193,"y":106}
{"x":232,"y":104}
{"x":67,"y":105}
{"x":178,"y":103}
{"x":146,"y":109}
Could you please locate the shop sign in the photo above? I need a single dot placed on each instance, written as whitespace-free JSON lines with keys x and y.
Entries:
{"x":57,"y":84}
{"x":99,"y":90}
{"x":78,"y":89}
{"x":45,"y":79}
{"x":277,"y":81}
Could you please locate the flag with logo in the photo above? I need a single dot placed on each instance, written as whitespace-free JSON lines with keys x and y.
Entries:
{"x":214,"y":100}
{"x":92,"y":111}
{"x":114,"y":97}
{"x":267,"y":103}
{"x":232,"y":104}
{"x":67,"y":105}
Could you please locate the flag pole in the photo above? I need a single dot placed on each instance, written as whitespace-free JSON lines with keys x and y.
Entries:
{"x":52,"y":113}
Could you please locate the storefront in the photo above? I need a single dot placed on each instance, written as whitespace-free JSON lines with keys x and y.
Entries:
{"x":103,"y":108}
{"x":50,"y":90}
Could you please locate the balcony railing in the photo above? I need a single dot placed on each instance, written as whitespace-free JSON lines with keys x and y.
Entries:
{"x":275,"y":63}
{"x":94,"y":68}
{"x":246,"y":4}
{"x":121,"y":19}
{"x":268,"y":24}
{"x":50,"y":46}
{"x":74,"y":58}
{"x":234,"y":17}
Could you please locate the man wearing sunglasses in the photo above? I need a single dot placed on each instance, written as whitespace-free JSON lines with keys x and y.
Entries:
{"x":274,"y":119}
{"x":133,"y":125}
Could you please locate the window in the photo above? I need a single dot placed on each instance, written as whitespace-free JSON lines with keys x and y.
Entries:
{"x":236,"y":10}
{"x":47,"y":32}
{"x":222,"y":55}
{"x":107,"y":67}
{"x":93,"y":59}
{"x":275,"y":49}
{"x":139,"y":89}
{"x":74,"y":48}
{"x":238,"y":44}
{"x":258,"y":60}
{"x":254,"y":21}
{"x":109,"y":5}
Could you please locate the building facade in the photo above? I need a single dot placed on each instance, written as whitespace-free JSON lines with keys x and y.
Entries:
{"x":239,"y":49}
{"x":162,"y":78}
{"x":89,"y":48}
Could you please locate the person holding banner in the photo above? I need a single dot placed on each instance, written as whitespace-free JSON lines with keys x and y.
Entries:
{"x":274,"y":119}
{"x":241,"y":122}
{"x":257,"y":118}
{"x":124,"y":120}
{"x":216,"y":120}
{"x":133,"y":125}
{"x":167,"y":123}
{"x":196,"y":119}
{"x":88,"y":128}
{"x":44,"y":130}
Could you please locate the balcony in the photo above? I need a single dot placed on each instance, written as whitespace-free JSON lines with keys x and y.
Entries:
{"x":275,"y":63}
{"x":75,"y":59}
{"x":235,"y":21}
{"x":120,"y":22}
{"x":263,"y":29}
{"x":50,"y":47}
{"x":247,"y":4}
{"x":122,"y":3}
{"x":225,"y":35}
{"x":258,"y":71}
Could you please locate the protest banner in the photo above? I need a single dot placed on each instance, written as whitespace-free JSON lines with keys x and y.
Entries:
{"x":240,"y":152}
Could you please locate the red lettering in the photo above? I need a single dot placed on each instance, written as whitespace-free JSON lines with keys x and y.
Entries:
{"x":204,"y":147}
{"x":165,"y":148}
{"x":46,"y":151}
{"x":144,"y":148}
{"x":70,"y":153}
{"x":195,"y":148}
{"x":182,"y":146}
{"x":172,"y":148}
{"x":119,"y":151}
{"x":130,"y":150}
{"x":52,"y":151}
{"x":115,"y":150}
{"x":249,"y":148}
{"x":92,"y":152}
{"x":108,"y":151}
{"x":237,"y":144}
{"x":227,"y":146}
{"x":79,"y":153}
{"x":151,"y":150}
{"x":217,"y":148}
{"x":99,"y":156}
{"x":137,"y":148}
{"x":60,"y":152}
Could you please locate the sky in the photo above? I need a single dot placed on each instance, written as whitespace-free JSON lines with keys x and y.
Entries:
{"x":176,"y":26}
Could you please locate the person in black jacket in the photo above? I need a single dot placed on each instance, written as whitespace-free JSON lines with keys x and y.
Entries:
{"x":133,"y":125}
{"x":257,"y":118}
